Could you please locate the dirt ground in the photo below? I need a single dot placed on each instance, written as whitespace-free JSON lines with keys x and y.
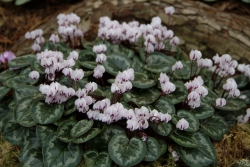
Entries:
{"x":15,"y":21}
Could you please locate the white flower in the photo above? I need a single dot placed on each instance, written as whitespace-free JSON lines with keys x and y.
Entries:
{"x":194,"y":104}
{"x":98,"y":71}
{"x":168,"y":87}
{"x":175,"y":156}
{"x":91,"y":87}
{"x":174,"y":41}
{"x":143,"y":124}
{"x":221,"y":102}
{"x":77,"y":74}
{"x":182,"y":124}
{"x":99,"y":48}
{"x":132,"y":124}
{"x":195,"y":55}
{"x":34,"y":75}
{"x":193,"y":96}
{"x":73,"y":55}
{"x":177,"y":66}
{"x":67,"y":71}
{"x":205,"y":63}
{"x":100,"y":58}
{"x":80,"y":93}
{"x":165,"y":117}
{"x":230,"y":84}
{"x":163,"y":78}
{"x":54,"y":38}
{"x":36,"y":47}
{"x":169,"y":10}
{"x":235,"y":93}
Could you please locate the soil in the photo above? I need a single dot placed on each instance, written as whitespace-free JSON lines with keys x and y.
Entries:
{"x":15,"y":21}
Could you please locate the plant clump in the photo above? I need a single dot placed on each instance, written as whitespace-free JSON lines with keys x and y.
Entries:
{"x":121,"y":99}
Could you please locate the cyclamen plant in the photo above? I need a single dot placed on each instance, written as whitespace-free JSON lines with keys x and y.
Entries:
{"x":120,"y":99}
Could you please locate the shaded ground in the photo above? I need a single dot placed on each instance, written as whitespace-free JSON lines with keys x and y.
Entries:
{"x":15,"y":21}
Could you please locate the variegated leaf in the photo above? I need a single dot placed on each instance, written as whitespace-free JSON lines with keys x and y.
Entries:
{"x":3,"y":91}
{"x":125,"y":152}
{"x":185,"y":139}
{"x":60,"y":154}
{"x":204,"y":111}
{"x":21,"y":61}
{"x":161,"y":128}
{"x":22,"y":91}
{"x":81,"y":127}
{"x":70,"y":106}
{"x":43,"y":131}
{"x":153,"y":149}
{"x":34,"y":158}
{"x":6,"y":74}
{"x":164,"y":105}
{"x":44,"y":113}
{"x":63,"y":131}
{"x":141,"y":81}
{"x":90,"y":134}
{"x":94,"y":159}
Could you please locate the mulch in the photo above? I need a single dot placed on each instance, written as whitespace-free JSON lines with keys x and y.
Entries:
{"x":15,"y":21}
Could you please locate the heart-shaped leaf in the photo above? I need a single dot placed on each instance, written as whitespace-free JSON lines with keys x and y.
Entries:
{"x":204,"y":155}
{"x":159,"y":62}
{"x":241,"y":80}
{"x":204,"y":111}
{"x":90,"y":134}
{"x":63,"y":131}
{"x":22,"y":61}
{"x":4,"y":109}
{"x":3,"y":91}
{"x":60,"y":154}
{"x":22,"y":112}
{"x":215,"y":127}
{"x":43,"y":131}
{"x":6,"y":74}
{"x":125,"y":152}
{"x":94,"y":159}
{"x":191,"y":119}
{"x":164,"y":105}
{"x":183,"y":73}
{"x":161,"y":128}
{"x":153,"y":149}
{"x":141,"y":97}
{"x":141,"y":81}
{"x":120,"y":49}
{"x":179,"y":94}
{"x":247,"y":94}
{"x":18,"y":80}
{"x":34,"y":157}
{"x":210,"y":98}
{"x":116,"y":62}
{"x":13,"y":132}
{"x":43,"y":113}
{"x":185,"y":139}
{"x":81,"y":127}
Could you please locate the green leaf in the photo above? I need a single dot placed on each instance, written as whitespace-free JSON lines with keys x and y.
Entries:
{"x":36,"y":66}
{"x":120,"y":49}
{"x":43,"y":113}
{"x":70,"y":106}
{"x":161,"y":128}
{"x":86,"y":55}
{"x":164,"y":105}
{"x":142,"y":97}
{"x":215,"y":127}
{"x":3,"y":91}
{"x":204,"y":111}
{"x":116,"y":62}
{"x":153,"y":149}
{"x":25,"y":70}
{"x":184,"y":139}
{"x":202,"y":156}
{"x":34,"y":157}
{"x":21,"y":61}
{"x":81,"y":127}
{"x":4,"y":109}
{"x":30,"y":141}
{"x":180,"y":93}
{"x":125,"y":152}
{"x":13,"y":132}
{"x":163,"y":146}
{"x":6,"y":74}
{"x":247,"y":94}
{"x":191,"y":119}
{"x":18,"y":80}
{"x":43,"y":131}
{"x":64,"y":118}
{"x":93,"y":132}
{"x":66,"y":81}
{"x":101,"y":141}
{"x":137,"y":65}
{"x":141,"y":81}
{"x":22,"y":112}
{"x":22,"y":91}
{"x":89,"y":64}
{"x":159,"y":62}
{"x":63,"y":131}
{"x":60,"y":154}
{"x":94,"y":159}
{"x":232,"y":105}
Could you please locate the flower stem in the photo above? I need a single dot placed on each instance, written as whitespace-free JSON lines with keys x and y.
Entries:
{"x":191,"y":69}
